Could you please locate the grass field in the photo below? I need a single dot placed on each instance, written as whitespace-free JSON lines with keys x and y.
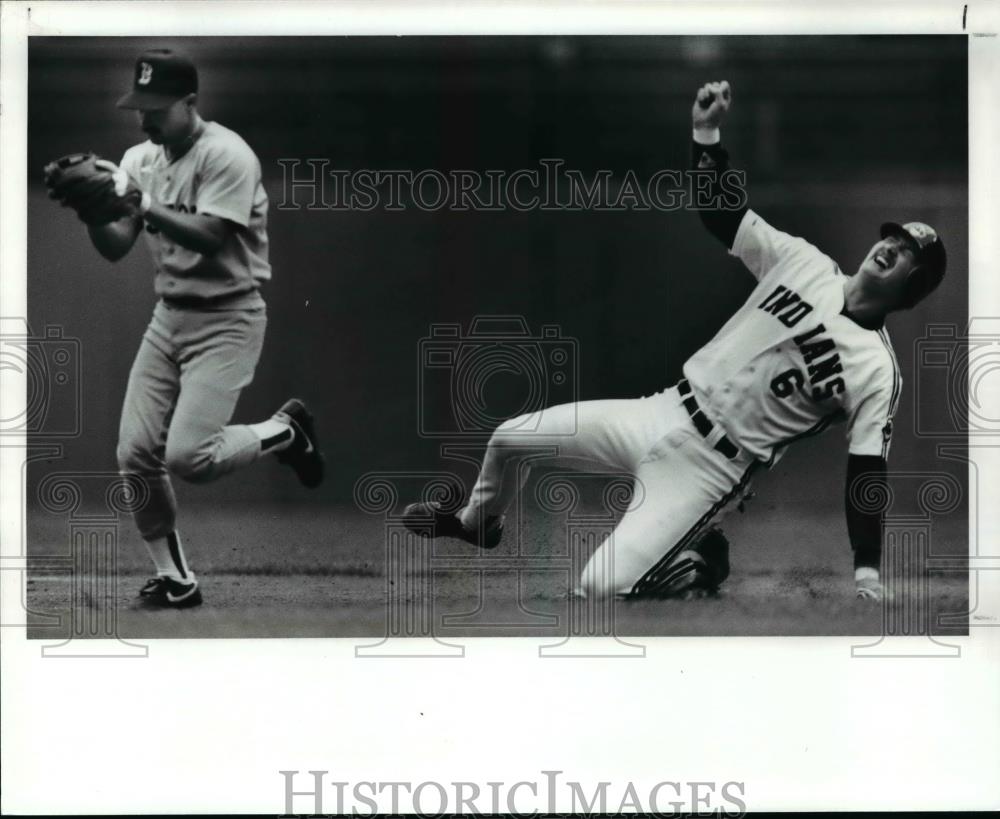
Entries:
{"x":292,"y":571}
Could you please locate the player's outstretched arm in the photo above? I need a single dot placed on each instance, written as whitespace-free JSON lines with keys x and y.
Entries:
{"x":865,"y":527}
{"x":709,"y":158}
{"x":115,"y":239}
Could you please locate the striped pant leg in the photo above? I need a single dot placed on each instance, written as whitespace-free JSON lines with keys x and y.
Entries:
{"x":682,"y":486}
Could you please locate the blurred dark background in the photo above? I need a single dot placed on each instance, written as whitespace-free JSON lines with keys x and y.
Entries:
{"x":837,"y":134}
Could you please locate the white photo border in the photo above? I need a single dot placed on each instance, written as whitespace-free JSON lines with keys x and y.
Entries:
{"x":206,"y":725}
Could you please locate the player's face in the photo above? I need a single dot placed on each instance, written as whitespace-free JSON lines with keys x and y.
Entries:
{"x":168,"y":126}
{"x":888,"y":263}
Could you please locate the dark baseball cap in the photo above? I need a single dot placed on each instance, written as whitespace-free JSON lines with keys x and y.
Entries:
{"x":931,"y":259}
{"x":926,"y":244}
{"x":161,"y":78}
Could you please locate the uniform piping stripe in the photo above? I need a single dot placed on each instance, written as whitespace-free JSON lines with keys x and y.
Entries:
{"x":897,"y":380}
{"x":661,"y":571}
{"x":897,"y":385}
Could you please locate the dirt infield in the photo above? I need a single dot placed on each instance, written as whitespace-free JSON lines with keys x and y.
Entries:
{"x":310,"y":572}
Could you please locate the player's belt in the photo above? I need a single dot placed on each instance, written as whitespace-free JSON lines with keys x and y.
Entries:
{"x":701,"y":421}
{"x":206,"y":302}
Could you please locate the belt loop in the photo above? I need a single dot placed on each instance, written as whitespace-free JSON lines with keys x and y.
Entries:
{"x":716,"y":434}
{"x":713,"y":433}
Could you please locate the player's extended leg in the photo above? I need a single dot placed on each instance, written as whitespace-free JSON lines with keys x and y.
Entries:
{"x":153,"y":385}
{"x":682,"y":486}
{"x":217,"y":363}
{"x":589,"y":435}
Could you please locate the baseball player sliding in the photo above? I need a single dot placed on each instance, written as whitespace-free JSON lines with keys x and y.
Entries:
{"x":194,"y":189}
{"x":807,"y":349}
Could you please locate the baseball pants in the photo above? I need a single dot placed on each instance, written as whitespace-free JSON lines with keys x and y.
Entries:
{"x":682,"y":482}
{"x":182,"y":391}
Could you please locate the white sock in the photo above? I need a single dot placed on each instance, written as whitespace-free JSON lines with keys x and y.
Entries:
{"x":168,"y":555}
{"x":274,"y":434}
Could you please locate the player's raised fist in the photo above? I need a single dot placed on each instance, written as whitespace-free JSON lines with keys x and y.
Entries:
{"x":711,"y":104}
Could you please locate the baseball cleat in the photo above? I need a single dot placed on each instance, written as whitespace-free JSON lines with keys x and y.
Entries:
{"x":689,"y":578}
{"x":699,"y":570}
{"x":168,"y":593}
{"x":713,"y":546}
{"x":303,"y":453}
{"x":429,"y":520}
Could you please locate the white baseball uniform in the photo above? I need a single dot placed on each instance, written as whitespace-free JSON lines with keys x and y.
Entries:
{"x":787,"y":365}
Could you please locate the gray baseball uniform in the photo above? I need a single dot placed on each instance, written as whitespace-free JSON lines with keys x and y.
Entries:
{"x":203,"y":343}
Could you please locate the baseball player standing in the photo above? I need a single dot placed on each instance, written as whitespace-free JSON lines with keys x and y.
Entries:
{"x":807,"y":349}
{"x":194,"y":189}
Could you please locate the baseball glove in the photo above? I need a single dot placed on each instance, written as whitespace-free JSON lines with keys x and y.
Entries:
{"x":98,"y":190}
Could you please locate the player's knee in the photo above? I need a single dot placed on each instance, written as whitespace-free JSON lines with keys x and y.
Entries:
{"x":154,"y":528}
{"x":595,"y":586}
{"x":192,"y":463}
{"x":135,"y":455}
{"x":509,"y":433}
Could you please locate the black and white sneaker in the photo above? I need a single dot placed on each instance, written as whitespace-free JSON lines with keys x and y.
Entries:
{"x":168,"y":593}
{"x":429,"y":520}
{"x":303,"y":453}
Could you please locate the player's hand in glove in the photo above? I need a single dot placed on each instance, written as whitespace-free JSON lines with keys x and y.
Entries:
{"x":867,"y":585}
{"x":98,"y":190}
{"x":711,"y":104}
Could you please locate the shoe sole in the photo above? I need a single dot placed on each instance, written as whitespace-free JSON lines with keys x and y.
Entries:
{"x":158,"y":603}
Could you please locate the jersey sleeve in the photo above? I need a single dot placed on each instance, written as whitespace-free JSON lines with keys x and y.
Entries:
{"x":131,"y":161}
{"x":869,"y":426}
{"x":761,"y":247}
{"x":228,"y":182}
